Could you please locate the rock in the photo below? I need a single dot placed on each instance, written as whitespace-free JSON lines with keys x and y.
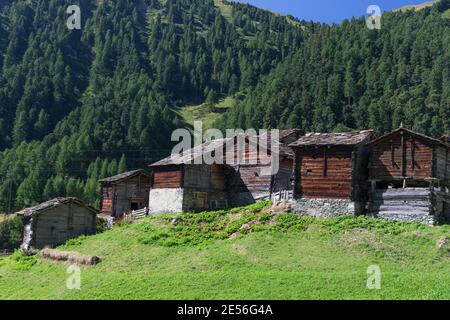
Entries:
{"x":280,"y":207}
{"x":233,"y":236}
{"x":443,"y":242}
{"x":248,"y":225}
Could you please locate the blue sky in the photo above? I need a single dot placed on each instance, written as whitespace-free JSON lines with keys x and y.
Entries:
{"x":328,"y":10}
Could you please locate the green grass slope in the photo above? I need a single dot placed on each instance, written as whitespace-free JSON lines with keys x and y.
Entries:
{"x":416,"y":7}
{"x":244,"y":254}
{"x":205,"y":113}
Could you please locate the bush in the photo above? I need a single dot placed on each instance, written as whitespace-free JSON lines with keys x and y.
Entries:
{"x":22,"y":262}
{"x":11,"y":233}
{"x":102,"y":224}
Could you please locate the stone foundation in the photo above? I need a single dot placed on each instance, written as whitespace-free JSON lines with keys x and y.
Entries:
{"x":323,"y":208}
{"x":166,"y":201}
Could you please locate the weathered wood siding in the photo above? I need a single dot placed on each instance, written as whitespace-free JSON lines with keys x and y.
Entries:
{"x":106,"y":201}
{"x":360,"y":178}
{"x":252,"y":171}
{"x":426,"y":205}
{"x":324,"y":172}
{"x":391,"y":159}
{"x":203,"y":176}
{"x":442,"y":162}
{"x":118,"y":198}
{"x":404,"y":204}
{"x":133,"y":191}
{"x":282,"y":180}
{"x":167,"y":177}
{"x":57,"y":225}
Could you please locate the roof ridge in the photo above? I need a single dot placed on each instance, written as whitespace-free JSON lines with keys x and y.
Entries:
{"x":53,"y":203}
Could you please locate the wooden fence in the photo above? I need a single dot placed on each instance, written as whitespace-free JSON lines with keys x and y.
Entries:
{"x":140,"y":214}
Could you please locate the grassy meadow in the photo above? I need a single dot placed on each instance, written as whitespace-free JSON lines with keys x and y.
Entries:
{"x":244,"y":253}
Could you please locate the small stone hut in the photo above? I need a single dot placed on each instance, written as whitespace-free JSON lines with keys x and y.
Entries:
{"x":54,"y":222}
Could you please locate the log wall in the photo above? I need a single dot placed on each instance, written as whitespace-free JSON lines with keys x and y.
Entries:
{"x":324,"y":172}
{"x":119,"y":198}
{"x":106,"y":202}
{"x":442,"y":162}
{"x":167,"y":177}
{"x":202,"y":176}
{"x":425,"y":205}
{"x":397,"y":157}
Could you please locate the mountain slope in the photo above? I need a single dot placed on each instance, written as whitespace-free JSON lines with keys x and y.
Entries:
{"x":417,"y":7}
{"x":83,"y":99}
{"x":280,"y":257}
{"x":79,"y":105}
{"x":348,"y":77}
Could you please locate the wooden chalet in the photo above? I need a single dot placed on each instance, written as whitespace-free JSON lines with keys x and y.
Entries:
{"x":251,"y":178}
{"x":54,"y":222}
{"x":405,"y":158}
{"x":125,"y":192}
{"x":180,"y":185}
{"x":410,"y":177}
{"x":332,"y":166}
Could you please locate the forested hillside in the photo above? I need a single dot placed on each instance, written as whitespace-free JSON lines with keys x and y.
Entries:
{"x":78,"y":105}
{"x":349,"y":77}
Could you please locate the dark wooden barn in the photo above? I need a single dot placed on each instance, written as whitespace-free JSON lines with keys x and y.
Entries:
{"x":410,"y":176}
{"x":405,"y":158}
{"x":125,"y":192}
{"x":54,"y":222}
{"x":332,"y":166}
{"x":180,"y":185}
{"x":254,"y":177}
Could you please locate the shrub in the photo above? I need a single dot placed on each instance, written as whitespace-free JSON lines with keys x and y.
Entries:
{"x":102,"y":225}
{"x":21,"y":261}
{"x":290,"y":221}
{"x":10,"y":233}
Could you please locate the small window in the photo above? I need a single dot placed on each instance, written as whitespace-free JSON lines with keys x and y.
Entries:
{"x":200,"y":200}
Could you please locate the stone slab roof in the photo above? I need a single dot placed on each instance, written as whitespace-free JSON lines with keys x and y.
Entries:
{"x":190,"y":155}
{"x":123,"y":176}
{"x":333,"y":139}
{"x":52,"y":204}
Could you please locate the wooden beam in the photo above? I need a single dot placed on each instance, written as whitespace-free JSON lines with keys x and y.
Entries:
{"x":403,"y":168}
{"x":392,"y":153}
{"x":446,"y":165}
{"x":295,"y":176}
